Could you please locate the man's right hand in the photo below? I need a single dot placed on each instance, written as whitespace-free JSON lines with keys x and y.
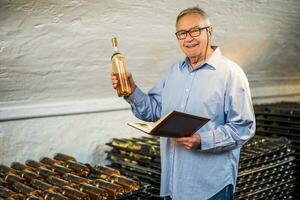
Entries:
{"x":114,"y":80}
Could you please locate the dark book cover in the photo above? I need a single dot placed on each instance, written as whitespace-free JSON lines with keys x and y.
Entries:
{"x":175,"y":124}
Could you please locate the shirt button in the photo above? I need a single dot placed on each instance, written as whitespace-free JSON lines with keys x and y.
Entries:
{"x":182,"y":106}
{"x":187,"y":90}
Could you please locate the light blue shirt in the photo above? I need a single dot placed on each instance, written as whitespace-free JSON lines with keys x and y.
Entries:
{"x":218,"y":90}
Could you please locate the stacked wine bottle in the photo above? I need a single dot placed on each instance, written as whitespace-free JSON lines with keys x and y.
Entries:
{"x":138,"y":158}
{"x":266,"y":169}
{"x":63,"y":177}
{"x":282,"y":119}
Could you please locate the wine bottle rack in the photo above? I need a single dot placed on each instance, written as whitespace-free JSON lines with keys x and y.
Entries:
{"x":266,"y":169}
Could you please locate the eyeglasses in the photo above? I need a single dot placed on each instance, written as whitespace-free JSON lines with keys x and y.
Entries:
{"x":193,"y":32}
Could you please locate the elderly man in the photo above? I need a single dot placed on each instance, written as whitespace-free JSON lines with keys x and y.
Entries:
{"x":207,"y":84}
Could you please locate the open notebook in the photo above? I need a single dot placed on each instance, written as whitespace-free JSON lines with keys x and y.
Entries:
{"x":174,"y":124}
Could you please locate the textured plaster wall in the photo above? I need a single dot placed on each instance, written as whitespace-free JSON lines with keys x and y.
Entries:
{"x":81,"y":135}
{"x":55,"y":91}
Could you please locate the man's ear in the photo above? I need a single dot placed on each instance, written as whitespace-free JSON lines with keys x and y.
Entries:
{"x":210,"y":32}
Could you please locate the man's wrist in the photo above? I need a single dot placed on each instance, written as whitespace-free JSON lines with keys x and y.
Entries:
{"x":199,"y":145}
{"x":133,"y":89}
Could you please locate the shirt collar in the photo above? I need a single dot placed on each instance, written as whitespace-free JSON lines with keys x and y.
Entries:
{"x":215,"y":57}
{"x":212,"y":61}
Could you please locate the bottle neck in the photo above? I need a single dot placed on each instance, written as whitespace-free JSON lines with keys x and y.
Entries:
{"x":116,"y":49}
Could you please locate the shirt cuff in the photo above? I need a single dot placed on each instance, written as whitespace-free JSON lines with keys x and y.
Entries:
{"x":207,"y":140}
{"x":135,"y":97}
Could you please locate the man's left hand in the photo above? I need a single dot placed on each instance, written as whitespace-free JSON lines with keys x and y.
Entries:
{"x":192,"y":142}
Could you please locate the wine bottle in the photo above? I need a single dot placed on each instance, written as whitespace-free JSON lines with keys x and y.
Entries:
{"x":50,"y":195}
{"x":126,"y":144}
{"x":60,"y":169}
{"x":32,"y":197}
{"x":128,"y":184}
{"x":135,"y":155}
{"x":34,"y":164}
{"x":100,"y":169}
{"x":41,"y":185}
{"x":63,"y":157}
{"x":74,"y":194}
{"x":119,"y":70}
{"x":81,"y":169}
{"x":5,"y":169}
{"x":25,"y":189}
{"x":12,"y":178}
{"x":94,"y":192}
{"x":28,"y":175}
{"x":18,"y":166}
{"x":76,"y":179}
{"x":112,"y":189}
{"x":6,"y":193}
{"x":49,"y":161}
{"x":58,"y":181}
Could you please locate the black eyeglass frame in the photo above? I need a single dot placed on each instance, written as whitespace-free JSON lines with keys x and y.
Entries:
{"x":188,"y":32}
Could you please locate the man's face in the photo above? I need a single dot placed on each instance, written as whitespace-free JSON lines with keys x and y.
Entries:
{"x":192,"y":46}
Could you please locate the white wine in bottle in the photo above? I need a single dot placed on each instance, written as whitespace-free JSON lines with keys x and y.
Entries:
{"x":119,"y":70}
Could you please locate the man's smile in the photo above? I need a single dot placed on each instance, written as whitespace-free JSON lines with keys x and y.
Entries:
{"x":191,"y":45}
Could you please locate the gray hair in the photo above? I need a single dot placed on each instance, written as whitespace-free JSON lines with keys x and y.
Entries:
{"x":195,"y":9}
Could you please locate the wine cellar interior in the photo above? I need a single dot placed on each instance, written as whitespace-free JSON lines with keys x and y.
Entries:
{"x":63,"y":128}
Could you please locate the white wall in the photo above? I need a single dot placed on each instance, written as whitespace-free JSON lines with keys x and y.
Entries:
{"x":55,"y":91}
